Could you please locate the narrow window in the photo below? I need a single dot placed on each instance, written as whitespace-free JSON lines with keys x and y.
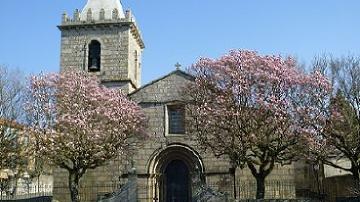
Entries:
{"x":136,"y":61}
{"x":94,"y":56}
{"x":176,"y":119}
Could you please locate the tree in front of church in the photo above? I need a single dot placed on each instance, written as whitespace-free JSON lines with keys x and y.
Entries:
{"x":11,"y":90}
{"x":78,"y":124}
{"x":12,"y":160}
{"x":340,"y":139}
{"x":250,"y":108}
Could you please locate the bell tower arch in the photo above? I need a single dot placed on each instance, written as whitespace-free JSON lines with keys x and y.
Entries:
{"x":103,"y":40}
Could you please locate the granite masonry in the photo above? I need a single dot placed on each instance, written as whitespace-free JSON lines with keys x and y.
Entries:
{"x":116,"y":60}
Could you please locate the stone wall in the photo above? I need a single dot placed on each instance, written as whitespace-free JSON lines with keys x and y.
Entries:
{"x":339,"y":187}
{"x":154,"y":99}
{"x":134,"y":61}
{"x":281,"y":183}
{"x":114,"y":49}
{"x":119,"y":39}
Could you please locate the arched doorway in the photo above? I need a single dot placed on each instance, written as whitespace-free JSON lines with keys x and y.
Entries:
{"x":175,"y":173}
{"x":177,"y":182}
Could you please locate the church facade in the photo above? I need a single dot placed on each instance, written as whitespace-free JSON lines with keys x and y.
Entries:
{"x":106,"y":41}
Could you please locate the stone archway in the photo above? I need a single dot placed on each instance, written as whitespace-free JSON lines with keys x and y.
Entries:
{"x":164,"y":163}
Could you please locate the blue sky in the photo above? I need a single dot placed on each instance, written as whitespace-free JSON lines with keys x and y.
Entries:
{"x":184,"y":30}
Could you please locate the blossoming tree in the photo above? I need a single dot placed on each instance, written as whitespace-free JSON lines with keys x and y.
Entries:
{"x":340,"y":138}
{"x":250,"y":108}
{"x":80,"y":124}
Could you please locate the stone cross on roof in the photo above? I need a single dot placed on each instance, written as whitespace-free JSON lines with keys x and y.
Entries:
{"x":177,"y":65}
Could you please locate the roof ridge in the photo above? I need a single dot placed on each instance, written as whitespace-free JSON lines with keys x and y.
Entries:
{"x":161,"y":78}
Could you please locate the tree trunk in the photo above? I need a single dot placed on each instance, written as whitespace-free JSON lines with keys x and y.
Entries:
{"x":356,"y":177}
{"x":74,"y":178}
{"x":233,"y":172}
{"x":38,"y":183}
{"x":260,"y":176}
{"x":260,"y":187}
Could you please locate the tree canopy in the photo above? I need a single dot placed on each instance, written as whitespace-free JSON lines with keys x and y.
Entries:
{"x":80,"y":124}
{"x":253,"y":109}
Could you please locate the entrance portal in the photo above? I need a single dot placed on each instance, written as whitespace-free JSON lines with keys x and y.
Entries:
{"x":177,"y":182}
{"x":175,"y":174}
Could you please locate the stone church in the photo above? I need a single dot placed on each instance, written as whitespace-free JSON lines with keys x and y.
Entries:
{"x":106,"y":41}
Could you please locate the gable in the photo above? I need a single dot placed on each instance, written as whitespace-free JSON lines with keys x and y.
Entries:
{"x":163,"y":90}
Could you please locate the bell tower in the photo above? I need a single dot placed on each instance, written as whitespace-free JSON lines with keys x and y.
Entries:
{"x":104,"y":40}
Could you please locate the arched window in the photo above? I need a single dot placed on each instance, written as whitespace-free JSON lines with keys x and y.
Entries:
{"x":94,"y":59}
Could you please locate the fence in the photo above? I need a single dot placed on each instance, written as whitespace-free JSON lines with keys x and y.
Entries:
{"x":127,"y":193}
{"x":38,"y":197}
{"x":87,"y":193}
{"x":275,"y":189}
{"x":27,"y":193}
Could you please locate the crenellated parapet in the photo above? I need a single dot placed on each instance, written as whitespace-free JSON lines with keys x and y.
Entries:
{"x":97,"y":17}
{"x":103,"y":17}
